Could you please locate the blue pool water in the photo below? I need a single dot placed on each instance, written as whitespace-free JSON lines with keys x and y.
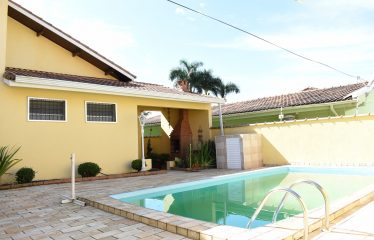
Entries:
{"x":232,"y":199}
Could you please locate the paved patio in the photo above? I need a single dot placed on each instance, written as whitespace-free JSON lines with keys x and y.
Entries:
{"x":358,"y":225}
{"x":36,"y":212}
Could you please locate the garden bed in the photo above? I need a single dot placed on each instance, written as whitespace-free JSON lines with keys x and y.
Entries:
{"x":79,"y":179}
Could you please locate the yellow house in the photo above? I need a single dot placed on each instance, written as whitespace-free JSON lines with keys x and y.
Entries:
{"x":58,"y":97}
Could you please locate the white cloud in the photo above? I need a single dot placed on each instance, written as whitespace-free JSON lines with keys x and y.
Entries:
{"x":341,"y":5}
{"x":301,"y":38}
{"x":180,"y":11}
{"x":107,"y":39}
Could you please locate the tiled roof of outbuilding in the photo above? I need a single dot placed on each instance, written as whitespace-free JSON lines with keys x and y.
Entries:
{"x":153,"y":120}
{"x":305,"y":97}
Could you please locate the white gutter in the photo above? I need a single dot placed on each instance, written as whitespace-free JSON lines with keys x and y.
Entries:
{"x":290,"y":109}
{"x":69,"y":39}
{"x":53,"y":84}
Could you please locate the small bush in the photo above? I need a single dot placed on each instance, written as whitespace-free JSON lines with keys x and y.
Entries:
{"x":25,"y":175}
{"x":88,"y":169}
{"x":137,"y":164}
{"x":159,"y":160}
{"x":164,"y":157}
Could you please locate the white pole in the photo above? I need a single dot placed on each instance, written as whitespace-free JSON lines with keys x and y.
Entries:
{"x":143,"y":158}
{"x":72,"y":157}
{"x":220,"y":119}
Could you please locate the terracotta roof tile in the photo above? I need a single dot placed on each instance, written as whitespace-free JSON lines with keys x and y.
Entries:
{"x":11,"y":74}
{"x":305,"y":97}
{"x":153,"y":120}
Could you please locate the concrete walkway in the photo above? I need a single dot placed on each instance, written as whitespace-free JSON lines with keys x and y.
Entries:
{"x":357,"y":226}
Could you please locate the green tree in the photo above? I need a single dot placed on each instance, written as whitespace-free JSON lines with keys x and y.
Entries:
{"x":200,"y":80}
{"x":223,"y":89}
{"x":203,"y":82}
{"x":185,"y":72}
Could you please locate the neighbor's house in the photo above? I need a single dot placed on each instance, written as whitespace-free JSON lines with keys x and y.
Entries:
{"x":309,"y":103}
{"x":58,"y":97}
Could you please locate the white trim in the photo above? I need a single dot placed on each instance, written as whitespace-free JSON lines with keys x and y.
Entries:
{"x":46,"y":83}
{"x":51,"y":99}
{"x":299,"y":120}
{"x":69,"y":39}
{"x":95,"y":102}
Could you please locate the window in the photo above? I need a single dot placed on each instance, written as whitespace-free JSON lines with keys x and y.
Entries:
{"x":101,"y":112}
{"x":41,"y":109}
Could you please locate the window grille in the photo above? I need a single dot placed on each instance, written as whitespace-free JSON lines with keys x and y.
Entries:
{"x":101,"y":112}
{"x":47,"y":109}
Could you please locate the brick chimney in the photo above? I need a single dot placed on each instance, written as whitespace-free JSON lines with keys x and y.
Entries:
{"x":181,"y":137}
{"x":183,"y":84}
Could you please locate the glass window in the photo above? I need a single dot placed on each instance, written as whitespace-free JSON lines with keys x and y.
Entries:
{"x":101,"y":112}
{"x":47,"y":109}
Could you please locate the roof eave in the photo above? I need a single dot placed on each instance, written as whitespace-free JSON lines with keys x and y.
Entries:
{"x":58,"y":33}
{"x":53,"y":84}
{"x":290,"y":109}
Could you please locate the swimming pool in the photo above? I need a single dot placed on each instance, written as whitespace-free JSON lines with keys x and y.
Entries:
{"x":232,"y":199}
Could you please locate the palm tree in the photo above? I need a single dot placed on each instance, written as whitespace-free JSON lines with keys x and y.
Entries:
{"x":203,"y":82}
{"x":223,"y":89}
{"x":185,"y":72}
{"x":199,"y":80}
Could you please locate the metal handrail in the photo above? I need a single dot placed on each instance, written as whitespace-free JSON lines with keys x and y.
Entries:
{"x":293,"y":193}
{"x":320,"y":188}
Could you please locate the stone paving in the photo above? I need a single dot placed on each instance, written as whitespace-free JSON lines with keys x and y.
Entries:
{"x":36,"y":212}
{"x":357,"y":226}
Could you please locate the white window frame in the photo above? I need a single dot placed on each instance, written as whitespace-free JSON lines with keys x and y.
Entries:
{"x":52,"y":99}
{"x":95,"y":102}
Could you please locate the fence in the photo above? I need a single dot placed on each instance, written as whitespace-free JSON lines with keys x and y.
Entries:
{"x":336,"y":141}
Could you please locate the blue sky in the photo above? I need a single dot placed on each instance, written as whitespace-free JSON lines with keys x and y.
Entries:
{"x":149,"y":37}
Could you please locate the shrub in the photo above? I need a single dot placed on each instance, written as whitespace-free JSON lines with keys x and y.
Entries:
{"x":159,"y":160}
{"x":7,"y":159}
{"x":137,"y":164}
{"x":149,"y":148}
{"x":25,"y":175}
{"x":164,"y":157}
{"x":88,"y":169}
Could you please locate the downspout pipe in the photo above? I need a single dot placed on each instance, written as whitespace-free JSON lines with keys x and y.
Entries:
{"x":333,"y":110}
{"x":220,"y":119}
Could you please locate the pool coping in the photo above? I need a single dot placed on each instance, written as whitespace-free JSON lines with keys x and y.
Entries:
{"x":291,"y":228}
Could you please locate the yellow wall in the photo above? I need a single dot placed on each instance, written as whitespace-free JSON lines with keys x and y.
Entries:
{"x":46,"y":146}
{"x":3,"y":31}
{"x":26,"y":50}
{"x":342,"y":141}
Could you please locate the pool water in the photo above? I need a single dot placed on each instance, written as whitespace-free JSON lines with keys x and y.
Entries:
{"x":233,"y":200}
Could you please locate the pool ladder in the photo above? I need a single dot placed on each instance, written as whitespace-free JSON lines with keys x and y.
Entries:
{"x":300,"y":200}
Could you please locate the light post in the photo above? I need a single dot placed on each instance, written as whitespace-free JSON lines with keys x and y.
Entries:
{"x":142,"y":122}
